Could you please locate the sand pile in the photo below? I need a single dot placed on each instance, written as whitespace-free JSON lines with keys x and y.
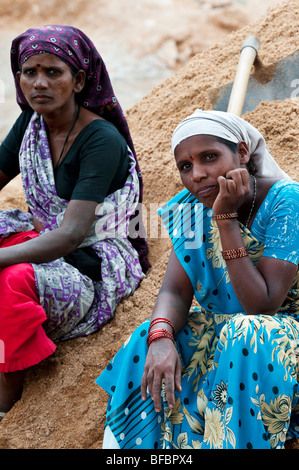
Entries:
{"x":61,"y":406}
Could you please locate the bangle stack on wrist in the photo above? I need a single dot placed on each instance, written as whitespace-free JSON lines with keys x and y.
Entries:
{"x":160,"y":332}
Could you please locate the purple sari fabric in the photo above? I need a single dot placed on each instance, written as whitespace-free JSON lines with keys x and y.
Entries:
{"x":74,"y":304}
{"x":74,"y":48}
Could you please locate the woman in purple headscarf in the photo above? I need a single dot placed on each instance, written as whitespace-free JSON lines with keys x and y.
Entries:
{"x":68,"y":261}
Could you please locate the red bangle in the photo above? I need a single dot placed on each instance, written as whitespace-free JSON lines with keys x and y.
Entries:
{"x":162,"y":320}
{"x":159,"y":333}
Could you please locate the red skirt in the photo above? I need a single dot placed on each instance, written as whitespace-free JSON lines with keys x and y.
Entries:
{"x":23,"y":341}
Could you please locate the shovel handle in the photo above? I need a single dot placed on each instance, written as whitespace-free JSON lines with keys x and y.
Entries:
{"x":248,"y":55}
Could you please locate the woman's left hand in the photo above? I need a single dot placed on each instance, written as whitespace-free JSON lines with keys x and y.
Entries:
{"x":233,"y":191}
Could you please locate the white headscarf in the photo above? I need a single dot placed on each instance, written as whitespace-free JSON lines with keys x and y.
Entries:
{"x":230,"y":127}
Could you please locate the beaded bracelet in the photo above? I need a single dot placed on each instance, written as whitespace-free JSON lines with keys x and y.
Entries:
{"x":162,"y":320}
{"x":236,"y":253}
{"x":159,"y":333}
{"x":232,"y":215}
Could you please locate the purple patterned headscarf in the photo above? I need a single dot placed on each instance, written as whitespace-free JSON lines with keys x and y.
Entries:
{"x":74,"y":48}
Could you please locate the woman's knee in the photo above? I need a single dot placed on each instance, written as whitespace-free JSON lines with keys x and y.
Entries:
{"x":264,"y":333}
{"x":252,"y":329}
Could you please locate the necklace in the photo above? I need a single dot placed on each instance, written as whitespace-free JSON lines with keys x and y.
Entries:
{"x":68,"y":135}
{"x":253,"y":201}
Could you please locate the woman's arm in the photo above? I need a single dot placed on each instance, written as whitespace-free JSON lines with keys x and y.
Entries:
{"x":78,"y":219}
{"x":173,"y":302}
{"x":4,"y":179}
{"x":260,"y":289}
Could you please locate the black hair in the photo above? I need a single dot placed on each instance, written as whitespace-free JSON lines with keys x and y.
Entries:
{"x":231,"y":145}
{"x":234,"y":148}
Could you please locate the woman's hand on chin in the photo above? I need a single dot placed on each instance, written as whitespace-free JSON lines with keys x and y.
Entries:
{"x":234,"y":188}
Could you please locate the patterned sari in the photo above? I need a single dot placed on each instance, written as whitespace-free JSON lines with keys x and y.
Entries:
{"x":239,"y":372}
{"x":76,"y":305}
{"x":74,"y":48}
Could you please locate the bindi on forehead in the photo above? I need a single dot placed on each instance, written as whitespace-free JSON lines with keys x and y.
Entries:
{"x":190,"y":156}
{"x":28,"y":66}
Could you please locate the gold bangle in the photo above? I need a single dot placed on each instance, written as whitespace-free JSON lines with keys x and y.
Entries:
{"x":236,"y":253}
{"x":232,"y":215}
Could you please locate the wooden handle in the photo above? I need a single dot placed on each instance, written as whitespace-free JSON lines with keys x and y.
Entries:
{"x":249,"y":51}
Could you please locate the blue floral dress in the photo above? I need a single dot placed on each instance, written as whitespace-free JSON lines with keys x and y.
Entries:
{"x":239,"y":379}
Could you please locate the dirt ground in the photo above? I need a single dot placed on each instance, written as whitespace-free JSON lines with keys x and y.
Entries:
{"x":165,"y":58}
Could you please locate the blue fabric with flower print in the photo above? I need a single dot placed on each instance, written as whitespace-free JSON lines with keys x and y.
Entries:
{"x":239,"y":379}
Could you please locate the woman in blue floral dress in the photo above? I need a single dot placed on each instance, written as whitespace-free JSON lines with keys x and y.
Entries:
{"x":221,"y":373}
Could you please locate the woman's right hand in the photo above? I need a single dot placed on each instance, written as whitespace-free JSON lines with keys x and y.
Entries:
{"x":162,"y":362}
